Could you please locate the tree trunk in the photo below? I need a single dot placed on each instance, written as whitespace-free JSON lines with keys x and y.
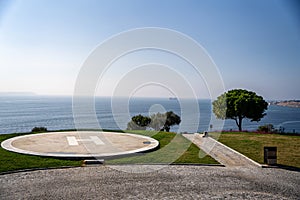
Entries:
{"x":167,"y":128}
{"x":239,"y":122}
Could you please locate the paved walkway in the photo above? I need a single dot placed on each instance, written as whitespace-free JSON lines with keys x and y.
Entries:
{"x":223,"y":154}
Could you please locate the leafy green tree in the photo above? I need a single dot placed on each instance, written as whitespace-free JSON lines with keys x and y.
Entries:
{"x":138,"y":122}
{"x":157,"y":121}
{"x":239,"y":104}
{"x":172,"y":119}
{"x":164,"y":121}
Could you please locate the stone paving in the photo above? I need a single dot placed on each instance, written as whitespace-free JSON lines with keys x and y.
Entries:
{"x":223,"y":154}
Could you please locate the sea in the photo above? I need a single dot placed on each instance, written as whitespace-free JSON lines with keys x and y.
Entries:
{"x":20,"y":114}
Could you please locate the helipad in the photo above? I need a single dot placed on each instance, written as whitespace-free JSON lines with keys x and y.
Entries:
{"x":80,"y":144}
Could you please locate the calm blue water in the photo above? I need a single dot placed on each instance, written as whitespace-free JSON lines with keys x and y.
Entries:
{"x":21,"y":114}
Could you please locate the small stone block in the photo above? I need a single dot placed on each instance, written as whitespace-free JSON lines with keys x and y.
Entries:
{"x":93,"y":162}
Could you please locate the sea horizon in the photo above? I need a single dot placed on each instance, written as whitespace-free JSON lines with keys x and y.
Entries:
{"x":32,"y":94}
{"x":22,"y":113}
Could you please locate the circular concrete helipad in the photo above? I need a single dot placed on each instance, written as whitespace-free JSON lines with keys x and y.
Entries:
{"x":80,"y":144}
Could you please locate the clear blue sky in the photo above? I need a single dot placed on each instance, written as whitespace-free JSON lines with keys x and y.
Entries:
{"x":254,"y":43}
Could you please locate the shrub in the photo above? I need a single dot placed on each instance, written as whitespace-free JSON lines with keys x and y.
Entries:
{"x":39,"y":129}
{"x":267,"y":128}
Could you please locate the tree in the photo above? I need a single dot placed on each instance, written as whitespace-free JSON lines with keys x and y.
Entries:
{"x":138,"y":122}
{"x":239,"y":104}
{"x":164,"y":121}
{"x":172,"y":119}
{"x":157,"y":121}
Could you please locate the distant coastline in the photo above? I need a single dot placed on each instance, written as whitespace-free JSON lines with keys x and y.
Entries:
{"x":287,"y":103}
{"x":17,"y":94}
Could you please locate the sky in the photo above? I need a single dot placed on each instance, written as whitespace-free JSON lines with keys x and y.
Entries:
{"x":254,"y":44}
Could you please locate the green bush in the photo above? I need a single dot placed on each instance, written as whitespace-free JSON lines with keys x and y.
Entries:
{"x":267,"y":128}
{"x":39,"y":129}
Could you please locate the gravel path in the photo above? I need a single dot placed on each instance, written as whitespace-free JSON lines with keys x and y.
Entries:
{"x":170,"y":182}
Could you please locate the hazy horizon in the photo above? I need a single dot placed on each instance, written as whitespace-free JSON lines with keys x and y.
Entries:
{"x":31,"y":94}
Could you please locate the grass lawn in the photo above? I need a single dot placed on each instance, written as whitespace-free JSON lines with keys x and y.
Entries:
{"x":252,"y":144}
{"x":10,"y":161}
{"x":173,"y":148}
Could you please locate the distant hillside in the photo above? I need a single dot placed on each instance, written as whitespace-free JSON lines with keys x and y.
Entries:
{"x":289,"y":103}
{"x":17,"y":94}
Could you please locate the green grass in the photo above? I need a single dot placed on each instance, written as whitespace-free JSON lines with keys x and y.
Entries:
{"x":10,"y":161}
{"x":252,"y":144}
{"x":173,"y":148}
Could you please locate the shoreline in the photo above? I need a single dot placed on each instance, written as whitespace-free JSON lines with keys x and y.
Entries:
{"x":287,"y":103}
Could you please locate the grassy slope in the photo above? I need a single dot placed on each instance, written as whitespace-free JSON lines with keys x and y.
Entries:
{"x":252,"y":144}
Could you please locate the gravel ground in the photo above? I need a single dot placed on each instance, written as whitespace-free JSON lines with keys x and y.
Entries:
{"x":170,"y":182}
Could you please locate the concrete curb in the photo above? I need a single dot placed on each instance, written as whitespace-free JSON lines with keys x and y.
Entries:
{"x":37,"y":169}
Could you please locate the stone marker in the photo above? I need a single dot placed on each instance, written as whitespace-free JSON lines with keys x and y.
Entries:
{"x":270,"y":155}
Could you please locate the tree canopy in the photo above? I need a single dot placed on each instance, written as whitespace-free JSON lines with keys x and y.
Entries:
{"x":158,"y":121}
{"x":238,"y":104}
{"x":138,"y":122}
{"x":164,"y":121}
